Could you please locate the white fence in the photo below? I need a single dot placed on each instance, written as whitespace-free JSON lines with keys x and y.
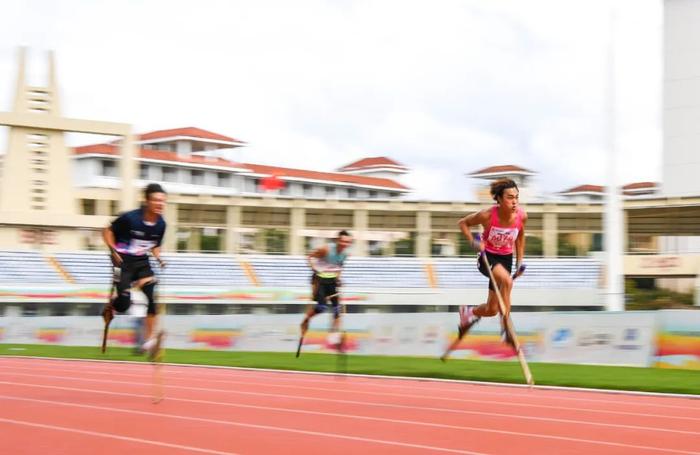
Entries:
{"x":663,"y":339}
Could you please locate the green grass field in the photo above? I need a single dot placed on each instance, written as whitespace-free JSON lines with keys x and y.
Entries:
{"x":601,"y":377}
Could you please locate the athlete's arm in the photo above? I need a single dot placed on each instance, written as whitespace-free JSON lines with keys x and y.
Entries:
{"x":474,"y":219}
{"x":110,"y":241}
{"x":318,"y":253}
{"x":520,"y":249}
{"x":156,"y":254}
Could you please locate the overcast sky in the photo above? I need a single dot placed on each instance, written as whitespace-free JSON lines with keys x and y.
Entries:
{"x":445,"y":87}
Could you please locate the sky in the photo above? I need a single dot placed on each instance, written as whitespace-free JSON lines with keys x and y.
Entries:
{"x":445,"y":88}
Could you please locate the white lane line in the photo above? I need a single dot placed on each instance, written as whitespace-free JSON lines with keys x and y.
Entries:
{"x":121,"y":372}
{"x":246,"y":425}
{"x":401,"y":421}
{"x":314,"y":433}
{"x":523,"y":387}
{"x":365,"y":403}
{"x":113,"y":436}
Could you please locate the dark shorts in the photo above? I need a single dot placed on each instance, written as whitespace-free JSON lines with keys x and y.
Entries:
{"x":326,"y":287}
{"x":506,"y":260}
{"x":132,"y":269}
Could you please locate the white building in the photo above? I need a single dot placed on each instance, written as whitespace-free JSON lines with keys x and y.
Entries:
{"x":188,"y":161}
{"x":524,"y":178}
{"x":681,"y":105}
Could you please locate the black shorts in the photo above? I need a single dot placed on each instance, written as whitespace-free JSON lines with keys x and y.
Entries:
{"x":326,"y":288}
{"x":134,"y":268}
{"x":506,"y":260}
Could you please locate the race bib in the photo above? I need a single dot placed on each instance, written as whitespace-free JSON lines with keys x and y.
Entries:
{"x":139,"y":247}
{"x":502,"y":238}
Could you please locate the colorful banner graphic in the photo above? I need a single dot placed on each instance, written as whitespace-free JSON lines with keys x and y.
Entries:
{"x":667,"y":339}
{"x":52,"y":335}
{"x":215,"y":338}
{"x":209,"y":294}
{"x":678,"y":340}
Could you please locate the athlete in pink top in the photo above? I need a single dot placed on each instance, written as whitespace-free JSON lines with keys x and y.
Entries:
{"x":504,"y":231}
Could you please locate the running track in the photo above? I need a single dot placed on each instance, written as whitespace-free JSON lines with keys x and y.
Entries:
{"x":73,"y":407}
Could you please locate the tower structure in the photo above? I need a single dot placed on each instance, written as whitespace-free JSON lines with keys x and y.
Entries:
{"x":38,"y":205}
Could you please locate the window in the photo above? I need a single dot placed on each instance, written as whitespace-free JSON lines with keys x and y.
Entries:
{"x":88,"y":206}
{"x":372,"y":194}
{"x":113,"y":208}
{"x":197,"y":177}
{"x":108,"y":168}
{"x":169,"y":174}
{"x":352,"y":192}
{"x":330,"y":191}
{"x":223,"y":179}
{"x":308,"y":190}
{"x":143,"y":172}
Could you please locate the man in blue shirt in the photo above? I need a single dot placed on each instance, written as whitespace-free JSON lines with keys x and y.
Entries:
{"x":130,"y":238}
{"x":327,"y":265}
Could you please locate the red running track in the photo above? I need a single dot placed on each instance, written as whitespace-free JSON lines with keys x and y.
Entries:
{"x":74,"y":407}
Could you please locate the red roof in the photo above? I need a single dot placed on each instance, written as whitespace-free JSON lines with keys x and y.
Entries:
{"x":166,"y":155}
{"x":161,"y":155}
{"x":316,"y":175}
{"x":586,"y":189}
{"x":639,"y":186}
{"x":189,"y":132}
{"x":504,"y":169}
{"x":377,"y":161}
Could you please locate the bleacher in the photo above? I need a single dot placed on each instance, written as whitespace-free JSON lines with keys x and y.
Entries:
{"x":203,"y":269}
{"x":293,"y":271}
{"x":280,"y":271}
{"x":19,"y":267}
{"x":562,"y":273}
{"x":27,"y":267}
{"x":181,"y":270}
{"x":389,"y":272}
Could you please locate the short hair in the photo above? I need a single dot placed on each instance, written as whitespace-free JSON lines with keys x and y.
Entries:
{"x":343,"y":233}
{"x":152,"y":188}
{"x":499,"y":186}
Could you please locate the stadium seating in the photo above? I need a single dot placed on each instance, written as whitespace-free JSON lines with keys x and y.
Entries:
{"x":292,"y":271}
{"x":181,"y":270}
{"x":20,"y":267}
{"x":565,"y":273}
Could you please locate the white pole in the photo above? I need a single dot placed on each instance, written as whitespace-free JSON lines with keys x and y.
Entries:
{"x":612,"y":226}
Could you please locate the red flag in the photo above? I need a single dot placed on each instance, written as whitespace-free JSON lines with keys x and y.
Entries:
{"x":271,"y":183}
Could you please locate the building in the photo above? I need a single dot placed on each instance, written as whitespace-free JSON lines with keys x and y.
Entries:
{"x":524,"y":178}
{"x":681,"y":98}
{"x":217,"y":205}
{"x":189,"y":161}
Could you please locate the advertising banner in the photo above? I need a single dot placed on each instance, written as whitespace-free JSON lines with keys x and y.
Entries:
{"x":669,"y":339}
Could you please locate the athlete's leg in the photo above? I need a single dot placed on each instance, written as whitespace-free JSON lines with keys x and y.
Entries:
{"x":147,"y":285}
{"x":319,"y":307}
{"x":490,"y":308}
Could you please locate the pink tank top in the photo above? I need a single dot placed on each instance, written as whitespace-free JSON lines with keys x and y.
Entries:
{"x":499,"y":239}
